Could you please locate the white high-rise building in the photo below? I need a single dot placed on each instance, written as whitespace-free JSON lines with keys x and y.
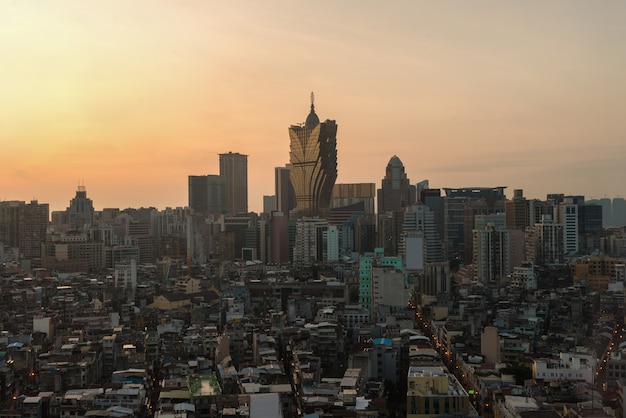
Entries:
{"x":566,"y":214}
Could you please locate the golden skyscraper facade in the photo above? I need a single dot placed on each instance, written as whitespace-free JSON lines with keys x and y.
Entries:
{"x":313,"y":159}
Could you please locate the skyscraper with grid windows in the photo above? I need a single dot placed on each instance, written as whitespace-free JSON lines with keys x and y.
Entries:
{"x":234,"y":171}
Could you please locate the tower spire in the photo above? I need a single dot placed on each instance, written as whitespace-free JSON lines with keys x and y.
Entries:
{"x":312,"y":120}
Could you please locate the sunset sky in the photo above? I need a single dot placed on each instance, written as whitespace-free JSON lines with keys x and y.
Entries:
{"x":131,"y":97}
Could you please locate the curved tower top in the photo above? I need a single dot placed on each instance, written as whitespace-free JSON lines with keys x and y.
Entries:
{"x":395,"y":162}
{"x":312,"y":120}
{"x":395,"y":171}
{"x":396,"y":192}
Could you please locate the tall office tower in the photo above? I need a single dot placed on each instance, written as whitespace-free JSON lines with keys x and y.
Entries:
{"x":234,"y":170}
{"x":32,"y":228}
{"x":588,"y":229}
{"x":313,"y":159}
{"x":285,"y":195}
{"x":396,"y":193}
{"x":460,"y":207}
{"x":206,"y":194}
{"x":80,"y":211}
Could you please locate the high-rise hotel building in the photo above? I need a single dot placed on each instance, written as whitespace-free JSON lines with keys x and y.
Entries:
{"x":234,"y":171}
{"x":313,"y":159}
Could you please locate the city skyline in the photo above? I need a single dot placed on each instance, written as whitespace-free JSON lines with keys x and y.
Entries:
{"x":131,"y":99}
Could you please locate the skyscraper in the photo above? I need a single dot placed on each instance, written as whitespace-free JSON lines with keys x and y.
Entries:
{"x":394,"y":197}
{"x":313,"y":159}
{"x":566,"y":213}
{"x":234,"y":170}
{"x":396,"y":192}
{"x":80,"y":211}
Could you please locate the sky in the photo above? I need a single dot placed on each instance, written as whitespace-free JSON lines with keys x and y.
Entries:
{"x":130,"y":98}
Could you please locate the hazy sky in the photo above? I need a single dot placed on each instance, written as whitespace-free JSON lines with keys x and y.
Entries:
{"x":131,"y":97}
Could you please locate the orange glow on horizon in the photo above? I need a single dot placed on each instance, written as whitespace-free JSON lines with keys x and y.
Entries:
{"x":134,"y":97}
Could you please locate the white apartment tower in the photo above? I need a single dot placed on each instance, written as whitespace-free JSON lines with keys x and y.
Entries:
{"x":566,"y":214}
